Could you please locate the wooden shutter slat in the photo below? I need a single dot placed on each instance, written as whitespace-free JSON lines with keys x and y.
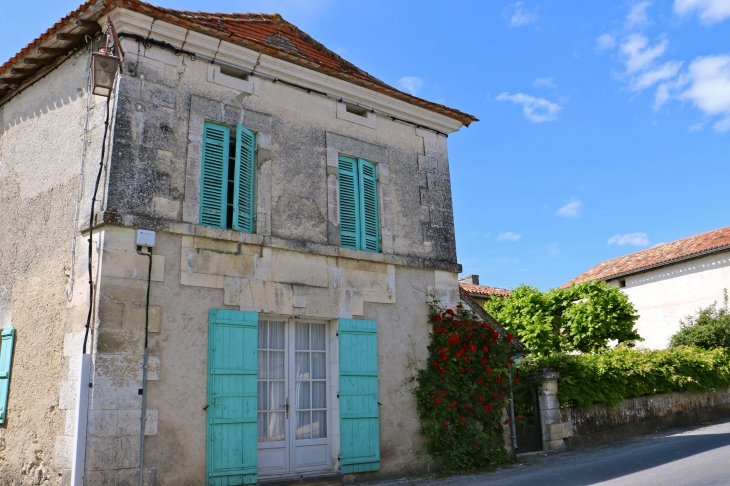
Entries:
{"x":370,"y":226}
{"x":349,"y":203}
{"x":244,"y":209}
{"x":232,"y":398}
{"x":359,"y":415}
{"x":214,"y":175}
{"x":6,"y":361}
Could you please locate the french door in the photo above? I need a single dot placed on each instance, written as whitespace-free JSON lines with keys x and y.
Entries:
{"x":293,"y":398}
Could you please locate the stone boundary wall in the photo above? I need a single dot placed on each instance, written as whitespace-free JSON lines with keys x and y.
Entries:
{"x":585,"y":427}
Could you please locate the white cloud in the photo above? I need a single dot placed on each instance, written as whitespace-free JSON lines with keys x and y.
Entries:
{"x":570,"y":210}
{"x":637,"y":53}
{"x":637,"y":16}
{"x":547,"y":82}
{"x":710,"y":11}
{"x":710,"y":84}
{"x":647,"y":78}
{"x":635,"y":239}
{"x":697,"y":127}
{"x":412,"y":84}
{"x":605,"y":41}
{"x":661,"y":96}
{"x":535,"y":109}
{"x":518,"y":15}
{"x":508,"y":236}
{"x":722,"y":126}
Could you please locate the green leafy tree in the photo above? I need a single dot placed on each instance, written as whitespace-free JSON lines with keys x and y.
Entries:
{"x":708,"y":329}
{"x":584,"y":317}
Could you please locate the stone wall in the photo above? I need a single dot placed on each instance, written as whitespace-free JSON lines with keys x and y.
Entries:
{"x":206,"y":268}
{"x":40,"y":153}
{"x":583,"y":427}
{"x":155,"y":171}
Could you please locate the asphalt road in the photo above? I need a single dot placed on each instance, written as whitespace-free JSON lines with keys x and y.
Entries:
{"x":696,"y":456}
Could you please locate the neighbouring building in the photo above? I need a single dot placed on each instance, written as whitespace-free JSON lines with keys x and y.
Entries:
{"x":481,"y":294}
{"x":301,"y":211}
{"x":668,"y":282}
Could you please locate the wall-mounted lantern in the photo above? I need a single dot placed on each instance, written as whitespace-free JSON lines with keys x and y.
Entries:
{"x":103,"y":70}
{"x":104,"y":64}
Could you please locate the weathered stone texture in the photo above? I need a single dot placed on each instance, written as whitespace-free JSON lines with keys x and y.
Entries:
{"x":40,"y":153}
{"x":584,"y":427}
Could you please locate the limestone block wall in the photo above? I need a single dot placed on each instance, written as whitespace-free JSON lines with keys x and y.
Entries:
{"x":155,"y":172}
{"x":41,"y":144}
{"x":196,"y":269}
{"x":583,"y":427}
{"x":665,"y":295}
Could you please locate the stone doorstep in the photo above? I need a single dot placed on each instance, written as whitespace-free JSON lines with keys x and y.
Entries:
{"x":318,"y":480}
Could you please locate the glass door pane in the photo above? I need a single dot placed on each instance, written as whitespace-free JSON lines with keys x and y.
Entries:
{"x":310,"y":378}
{"x":271,"y":382}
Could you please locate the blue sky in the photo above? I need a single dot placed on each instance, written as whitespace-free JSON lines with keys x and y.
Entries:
{"x":605,"y":126}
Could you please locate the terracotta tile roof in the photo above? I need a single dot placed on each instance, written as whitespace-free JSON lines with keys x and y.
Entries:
{"x":473,"y":289}
{"x":658,"y":256}
{"x":266,"y":33}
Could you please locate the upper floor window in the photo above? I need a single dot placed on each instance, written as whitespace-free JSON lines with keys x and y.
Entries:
{"x":358,"y":195}
{"x":227,"y":177}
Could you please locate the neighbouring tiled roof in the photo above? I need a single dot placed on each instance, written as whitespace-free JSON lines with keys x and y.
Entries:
{"x":661,"y":255}
{"x":473,"y":289}
{"x":266,"y":33}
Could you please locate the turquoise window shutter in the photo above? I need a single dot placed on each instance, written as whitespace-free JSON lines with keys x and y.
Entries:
{"x":349,"y":195}
{"x":370,"y":228}
{"x":244,"y":209}
{"x":214,"y":175}
{"x":6,"y":361}
{"x":232,"y":398}
{"x":359,"y":417}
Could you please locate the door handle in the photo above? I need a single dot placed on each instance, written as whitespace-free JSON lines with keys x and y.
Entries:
{"x":286,"y":407}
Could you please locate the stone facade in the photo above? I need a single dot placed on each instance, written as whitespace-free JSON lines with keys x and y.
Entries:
{"x":291,"y":267}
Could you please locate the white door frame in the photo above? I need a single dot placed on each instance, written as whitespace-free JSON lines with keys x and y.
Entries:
{"x":290,"y":468}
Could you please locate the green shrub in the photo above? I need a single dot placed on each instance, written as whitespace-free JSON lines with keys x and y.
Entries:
{"x":584,"y":317}
{"x":622,"y":373}
{"x":708,"y":329}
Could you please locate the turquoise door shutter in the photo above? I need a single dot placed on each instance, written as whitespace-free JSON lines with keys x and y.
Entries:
{"x":349,"y":203}
{"x":359,"y":417}
{"x":6,"y":361}
{"x":244,"y":210}
{"x":232,"y":398}
{"x":214,"y":175}
{"x":369,"y":206}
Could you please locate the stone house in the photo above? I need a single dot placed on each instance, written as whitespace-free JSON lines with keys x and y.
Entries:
{"x":668,"y":282}
{"x":300,"y":213}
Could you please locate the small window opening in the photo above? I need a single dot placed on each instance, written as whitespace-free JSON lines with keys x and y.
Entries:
{"x":231,"y":183}
{"x":622,"y":283}
{"x":234,"y":73}
{"x":356,"y":110}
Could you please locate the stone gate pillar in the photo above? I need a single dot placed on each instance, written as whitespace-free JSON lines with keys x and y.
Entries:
{"x":550,"y":419}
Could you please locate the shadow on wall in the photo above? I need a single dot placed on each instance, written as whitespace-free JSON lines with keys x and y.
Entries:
{"x":59,"y":88}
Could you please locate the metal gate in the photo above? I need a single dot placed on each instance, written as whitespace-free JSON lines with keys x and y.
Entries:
{"x":527,"y":406}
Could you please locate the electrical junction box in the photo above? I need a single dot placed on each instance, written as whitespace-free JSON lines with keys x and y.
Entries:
{"x":146,"y":238}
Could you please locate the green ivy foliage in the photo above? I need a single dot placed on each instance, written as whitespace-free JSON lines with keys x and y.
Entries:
{"x":622,"y":373}
{"x":708,"y":329}
{"x":584,"y":317}
{"x":462,"y":392}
